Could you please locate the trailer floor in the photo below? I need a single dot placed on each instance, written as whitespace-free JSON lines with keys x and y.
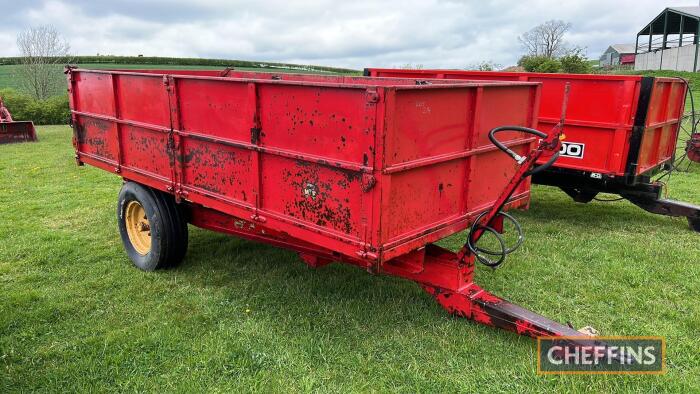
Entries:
{"x":74,"y":314}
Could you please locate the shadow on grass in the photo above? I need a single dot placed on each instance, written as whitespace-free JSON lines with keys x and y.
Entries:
{"x":230,"y":260}
{"x":339,"y":298}
{"x":548,"y":208}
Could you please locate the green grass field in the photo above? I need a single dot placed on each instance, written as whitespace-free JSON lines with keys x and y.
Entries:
{"x":240,"y":316}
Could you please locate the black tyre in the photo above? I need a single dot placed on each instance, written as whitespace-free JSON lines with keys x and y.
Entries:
{"x":152,"y":227}
{"x":694,"y":224}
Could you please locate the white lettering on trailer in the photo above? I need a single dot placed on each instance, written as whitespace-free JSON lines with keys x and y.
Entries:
{"x":572,"y":149}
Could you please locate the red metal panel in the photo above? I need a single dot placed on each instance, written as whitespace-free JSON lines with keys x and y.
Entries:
{"x":143,"y":99}
{"x":432,"y":159}
{"x":220,"y":169}
{"x":601,"y":114}
{"x":486,"y":167}
{"x":324,"y":122}
{"x":429,"y":123}
{"x":663,"y":123}
{"x":146,"y":150}
{"x":500,"y":106}
{"x":314,"y":195}
{"x":367,"y":168}
{"x":211,"y":108}
{"x":98,"y":137}
{"x":435,"y":191}
{"x":98,"y":98}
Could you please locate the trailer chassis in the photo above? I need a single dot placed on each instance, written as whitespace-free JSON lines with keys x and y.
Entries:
{"x":643,"y":192}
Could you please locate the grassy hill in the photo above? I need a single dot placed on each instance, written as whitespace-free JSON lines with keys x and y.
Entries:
{"x":9,"y":66}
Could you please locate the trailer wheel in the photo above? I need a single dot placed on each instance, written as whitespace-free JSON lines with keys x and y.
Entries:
{"x":152,"y":227}
{"x":694,"y":224}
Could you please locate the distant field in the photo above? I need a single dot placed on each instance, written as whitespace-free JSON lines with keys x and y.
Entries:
{"x":9,"y":79}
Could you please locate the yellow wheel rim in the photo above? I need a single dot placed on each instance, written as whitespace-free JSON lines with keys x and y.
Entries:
{"x":138,"y":228}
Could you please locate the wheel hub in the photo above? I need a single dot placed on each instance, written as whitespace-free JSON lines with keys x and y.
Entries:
{"x":138,"y":227}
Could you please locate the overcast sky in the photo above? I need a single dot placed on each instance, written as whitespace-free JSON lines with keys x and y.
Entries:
{"x":346,"y":33}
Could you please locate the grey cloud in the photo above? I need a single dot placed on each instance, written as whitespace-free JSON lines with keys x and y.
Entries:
{"x":357,"y":33}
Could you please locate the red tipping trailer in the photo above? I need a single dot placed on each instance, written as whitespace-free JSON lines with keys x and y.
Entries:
{"x":620,"y":131}
{"x":366,"y":171}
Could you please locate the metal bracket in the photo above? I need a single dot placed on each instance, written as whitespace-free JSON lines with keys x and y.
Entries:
{"x":258,"y":218}
{"x":368,"y":182}
{"x":226,"y":71}
{"x":372,"y":96}
{"x":255,"y":135}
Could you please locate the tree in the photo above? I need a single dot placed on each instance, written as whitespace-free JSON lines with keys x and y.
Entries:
{"x":43,"y":51}
{"x":540,"y":64}
{"x":575,"y":63}
{"x":546,"y":39}
{"x":411,"y":66}
{"x":486,"y":65}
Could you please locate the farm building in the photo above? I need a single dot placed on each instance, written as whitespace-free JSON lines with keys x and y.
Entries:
{"x":670,"y":41}
{"x":618,"y":54}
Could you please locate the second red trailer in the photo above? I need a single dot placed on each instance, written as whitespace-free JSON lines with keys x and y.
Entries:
{"x":621,"y":130}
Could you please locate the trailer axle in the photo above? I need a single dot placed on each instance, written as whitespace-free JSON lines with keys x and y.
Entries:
{"x":645,"y":194}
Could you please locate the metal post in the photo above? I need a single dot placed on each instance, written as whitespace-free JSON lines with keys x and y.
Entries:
{"x":664,"y":40}
{"x":680,"y":41}
{"x":697,"y":34}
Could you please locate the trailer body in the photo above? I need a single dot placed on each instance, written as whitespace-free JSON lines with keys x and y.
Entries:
{"x":620,"y":131}
{"x":363,"y":167}
{"x":366,"y":171}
